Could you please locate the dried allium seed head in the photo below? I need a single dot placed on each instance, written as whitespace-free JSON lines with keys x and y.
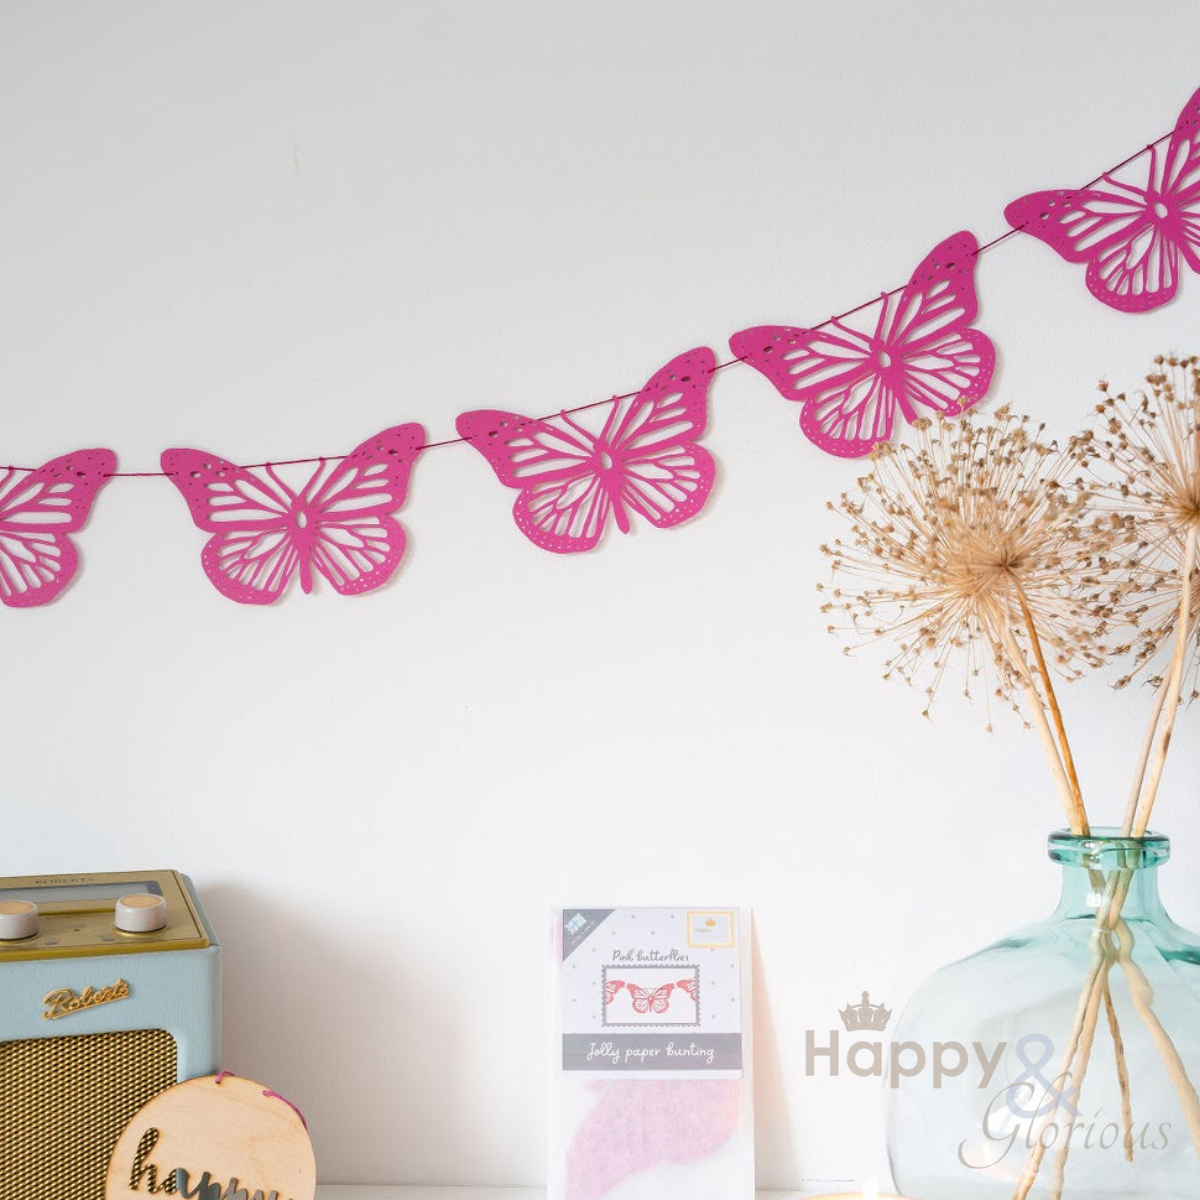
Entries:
{"x":958,"y":541}
{"x":1146,"y":463}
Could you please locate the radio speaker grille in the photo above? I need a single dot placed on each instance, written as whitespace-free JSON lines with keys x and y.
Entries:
{"x":64,"y":1102}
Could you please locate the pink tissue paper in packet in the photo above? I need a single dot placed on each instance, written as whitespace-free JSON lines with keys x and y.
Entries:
{"x":652,"y":1082}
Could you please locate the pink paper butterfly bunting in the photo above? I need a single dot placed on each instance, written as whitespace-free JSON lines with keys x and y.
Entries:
{"x":336,"y":525}
{"x":643,"y":461}
{"x":1131,"y":237}
{"x":37,"y":511}
{"x":636,"y":1124}
{"x":921,"y":358}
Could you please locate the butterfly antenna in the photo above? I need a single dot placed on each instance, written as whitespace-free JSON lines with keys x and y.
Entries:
{"x":588,"y":438}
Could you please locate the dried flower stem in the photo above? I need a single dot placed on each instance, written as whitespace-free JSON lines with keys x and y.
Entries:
{"x":1139,"y":775}
{"x":1143,"y":999}
{"x":1086,"y":1041}
{"x":1079,"y":822}
{"x":1175,"y":676}
{"x":1037,"y":714}
{"x":1114,"y":1029}
{"x":1084,"y":1029}
{"x":1110,"y":888}
{"x":1088,"y":997}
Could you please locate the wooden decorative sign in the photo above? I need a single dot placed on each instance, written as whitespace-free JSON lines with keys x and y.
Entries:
{"x":216,"y":1138}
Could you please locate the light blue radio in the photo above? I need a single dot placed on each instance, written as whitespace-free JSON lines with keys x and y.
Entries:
{"x":110,"y":992}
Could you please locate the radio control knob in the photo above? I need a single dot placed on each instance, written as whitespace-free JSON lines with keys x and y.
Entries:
{"x":18,"y":920}
{"x":140,"y":913}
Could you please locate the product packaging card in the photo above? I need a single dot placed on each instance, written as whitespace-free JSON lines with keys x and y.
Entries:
{"x":652,"y":1085}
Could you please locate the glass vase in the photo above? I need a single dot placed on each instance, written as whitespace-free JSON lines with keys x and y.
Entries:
{"x":1062,"y":1060}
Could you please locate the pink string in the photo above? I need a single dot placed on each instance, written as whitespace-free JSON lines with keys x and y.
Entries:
{"x":266,"y":1092}
{"x":322,"y":458}
{"x":277,"y":1096}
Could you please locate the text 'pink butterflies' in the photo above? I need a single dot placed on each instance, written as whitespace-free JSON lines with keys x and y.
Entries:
{"x":37,"y":511}
{"x":1131,"y":237}
{"x":336,"y":525}
{"x":921,"y":357}
{"x":643,"y":461}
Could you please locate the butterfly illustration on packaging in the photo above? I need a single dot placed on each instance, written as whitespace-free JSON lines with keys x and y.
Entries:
{"x":644,"y":461}
{"x":37,"y":511}
{"x":690,"y":986}
{"x":611,"y":988}
{"x":650,"y":1000}
{"x":265,"y":532}
{"x":921,"y":357}
{"x":1131,"y":237}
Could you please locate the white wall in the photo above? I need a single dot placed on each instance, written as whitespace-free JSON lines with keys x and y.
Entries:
{"x":272,"y":228}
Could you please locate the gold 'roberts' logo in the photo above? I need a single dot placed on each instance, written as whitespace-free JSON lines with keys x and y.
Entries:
{"x":63,"y":1002}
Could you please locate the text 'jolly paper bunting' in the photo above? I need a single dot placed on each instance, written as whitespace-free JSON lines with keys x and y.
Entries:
{"x":336,"y":525}
{"x":37,"y":511}
{"x":920,"y":358}
{"x":644,"y":460}
{"x":1131,"y":236}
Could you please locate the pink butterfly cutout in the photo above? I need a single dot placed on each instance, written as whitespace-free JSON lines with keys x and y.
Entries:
{"x":638,"y":1123}
{"x":37,"y":511}
{"x":647,"y":1000}
{"x":644,"y":460}
{"x":1130,"y":237}
{"x":921,"y":357}
{"x":336,"y":525}
{"x":611,"y":988}
{"x":689,"y":986}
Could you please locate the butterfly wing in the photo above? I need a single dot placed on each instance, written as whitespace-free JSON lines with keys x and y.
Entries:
{"x":263,"y":531}
{"x":636,"y":1124}
{"x":641,"y":998}
{"x":251,"y":556}
{"x":689,"y":986}
{"x":660,"y":472}
{"x":354,"y":543}
{"x":563,"y":504}
{"x":1181,"y":181}
{"x":37,"y":511}
{"x":921,"y":357}
{"x":1130,"y":237}
{"x":611,"y":988}
{"x":660,"y":998}
{"x":650,"y":1000}
{"x":571,"y":479}
{"x":1132,"y":261}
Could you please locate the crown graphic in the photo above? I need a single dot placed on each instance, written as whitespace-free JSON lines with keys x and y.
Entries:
{"x":865,"y":1015}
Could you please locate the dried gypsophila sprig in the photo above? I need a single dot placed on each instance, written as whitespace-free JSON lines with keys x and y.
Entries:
{"x":1144,"y":457}
{"x":956,"y":542}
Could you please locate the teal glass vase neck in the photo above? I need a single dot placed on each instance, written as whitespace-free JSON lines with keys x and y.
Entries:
{"x":1090,"y":864}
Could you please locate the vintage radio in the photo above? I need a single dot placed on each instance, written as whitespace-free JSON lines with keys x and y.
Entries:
{"x":110,"y":992}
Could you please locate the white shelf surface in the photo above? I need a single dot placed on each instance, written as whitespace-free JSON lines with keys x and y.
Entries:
{"x":362,"y":1191}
